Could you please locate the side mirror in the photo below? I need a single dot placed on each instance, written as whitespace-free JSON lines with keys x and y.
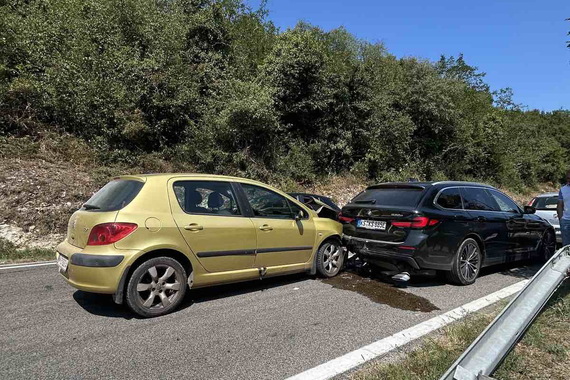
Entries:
{"x":529,"y":210}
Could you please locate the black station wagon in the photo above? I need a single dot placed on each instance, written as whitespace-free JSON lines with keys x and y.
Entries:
{"x":456,"y":227}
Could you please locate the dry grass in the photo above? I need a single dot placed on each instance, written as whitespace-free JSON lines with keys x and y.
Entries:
{"x":543,"y":353}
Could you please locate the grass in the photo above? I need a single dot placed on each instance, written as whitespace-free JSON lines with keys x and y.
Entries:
{"x":10,"y":254}
{"x":543,"y":352}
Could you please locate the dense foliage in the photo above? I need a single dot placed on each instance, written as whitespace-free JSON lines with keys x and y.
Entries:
{"x":215,"y":86}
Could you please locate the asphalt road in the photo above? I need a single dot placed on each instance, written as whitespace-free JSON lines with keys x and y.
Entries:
{"x":267,"y":329}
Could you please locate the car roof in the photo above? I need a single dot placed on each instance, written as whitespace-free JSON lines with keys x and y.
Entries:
{"x":214,"y":177}
{"x":426,"y":184}
{"x":547,"y":195}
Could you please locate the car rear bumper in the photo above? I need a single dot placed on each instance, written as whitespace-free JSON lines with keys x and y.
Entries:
{"x":392,"y":255}
{"x":99,"y":270}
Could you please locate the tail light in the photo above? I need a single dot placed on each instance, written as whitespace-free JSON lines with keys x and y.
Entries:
{"x":109,"y":233}
{"x":531,"y":202}
{"x":417,"y":222}
{"x":344,"y":219}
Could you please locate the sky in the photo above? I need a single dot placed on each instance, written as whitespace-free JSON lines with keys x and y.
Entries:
{"x":519,"y":44}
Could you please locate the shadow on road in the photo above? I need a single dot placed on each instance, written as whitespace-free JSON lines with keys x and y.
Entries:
{"x":103,"y":304}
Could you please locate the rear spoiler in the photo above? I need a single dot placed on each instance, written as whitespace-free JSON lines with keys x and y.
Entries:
{"x":409,"y":186}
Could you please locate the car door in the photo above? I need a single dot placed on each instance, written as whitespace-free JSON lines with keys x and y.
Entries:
{"x":516,"y":224}
{"x":213,"y":224}
{"x":285,"y":231}
{"x":487,"y":221}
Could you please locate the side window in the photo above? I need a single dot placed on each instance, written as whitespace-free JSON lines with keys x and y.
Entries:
{"x":505,"y":203}
{"x":479,"y":199}
{"x":206,"y":197}
{"x":450,"y":198}
{"x":267,"y":203}
{"x":296,"y":210}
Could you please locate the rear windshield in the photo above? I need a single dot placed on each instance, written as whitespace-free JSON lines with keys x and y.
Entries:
{"x":114,"y":196}
{"x":389,"y":197}
{"x":545,"y":203}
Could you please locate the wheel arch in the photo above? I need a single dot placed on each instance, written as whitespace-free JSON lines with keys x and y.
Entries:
{"x":336,"y":237}
{"x":167,"y":252}
{"x":480,"y":243}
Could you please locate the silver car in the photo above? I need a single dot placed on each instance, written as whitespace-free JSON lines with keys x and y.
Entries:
{"x":545,"y":205}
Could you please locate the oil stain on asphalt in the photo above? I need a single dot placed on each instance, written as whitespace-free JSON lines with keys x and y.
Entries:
{"x":380,"y":292}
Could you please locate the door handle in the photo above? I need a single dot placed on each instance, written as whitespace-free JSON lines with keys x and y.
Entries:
{"x":481,"y":219}
{"x":266,"y":227}
{"x":193,"y":227}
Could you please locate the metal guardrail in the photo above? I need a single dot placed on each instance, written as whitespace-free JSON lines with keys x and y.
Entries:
{"x":490,"y":348}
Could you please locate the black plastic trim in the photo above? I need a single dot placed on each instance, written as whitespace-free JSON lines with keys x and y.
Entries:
{"x":119,"y":294}
{"x":227,"y":253}
{"x":284,"y":249}
{"x":241,"y":252}
{"x":98,"y":261}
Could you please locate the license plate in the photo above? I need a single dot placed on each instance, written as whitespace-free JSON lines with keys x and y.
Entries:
{"x":62,"y":262}
{"x":371,"y":224}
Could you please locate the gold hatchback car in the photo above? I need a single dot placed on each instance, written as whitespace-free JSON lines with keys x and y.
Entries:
{"x":146,"y":239}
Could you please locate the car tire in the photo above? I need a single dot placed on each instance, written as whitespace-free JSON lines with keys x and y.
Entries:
{"x":156,"y":287}
{"x":547,"y":246}
{"x":466,"y":263}
{"x":330,"y":258}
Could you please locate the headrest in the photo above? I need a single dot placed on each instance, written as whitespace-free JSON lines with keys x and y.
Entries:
{"x":215,"y":200}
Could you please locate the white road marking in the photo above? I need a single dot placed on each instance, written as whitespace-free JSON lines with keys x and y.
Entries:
{"x":29,"y":265}
{"x":355,"y":358}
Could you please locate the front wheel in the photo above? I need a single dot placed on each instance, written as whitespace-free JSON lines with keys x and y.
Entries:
{"x":156,"y":287}
{"x":330,"y":258}
{"x":466,"y":263}
{"x":547,"y":246}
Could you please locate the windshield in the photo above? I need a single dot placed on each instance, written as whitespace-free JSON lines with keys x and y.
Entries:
{"x":114,"y":196}
{"x":545,"y":203}
{"x":409,"y":197}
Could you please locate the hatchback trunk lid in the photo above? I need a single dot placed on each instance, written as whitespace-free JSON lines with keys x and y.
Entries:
{"x":102,"y":207}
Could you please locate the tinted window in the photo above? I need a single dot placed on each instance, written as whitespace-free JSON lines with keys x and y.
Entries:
{"x":266,"y":203}
{"x":478,"y":199}
{"x":114,"y":196}
{"x":545,"y":203}
{"x":505,"y":203}
{"x":450,"y":198}
{"x":390,"y":197}
{"x":206,"y":197}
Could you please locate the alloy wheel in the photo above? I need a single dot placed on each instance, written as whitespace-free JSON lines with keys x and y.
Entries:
{"x":469,"y":261}
{"x":331,"y":258}
{"x":158,"y":287}
{"x":548,"y":246}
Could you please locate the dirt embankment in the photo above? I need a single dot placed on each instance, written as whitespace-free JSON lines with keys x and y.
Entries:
{"x":38,"y":195}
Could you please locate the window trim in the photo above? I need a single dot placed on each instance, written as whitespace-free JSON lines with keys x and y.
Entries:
{"x":287,"y":198}
{"x":436,"y":198}
{"x":483,"y":188}
{"x":511,"y":199}
{"x":243,"y":213}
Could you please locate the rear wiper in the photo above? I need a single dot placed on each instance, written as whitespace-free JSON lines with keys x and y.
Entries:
{"x":90,"y":207}
{"x":371,"y":201}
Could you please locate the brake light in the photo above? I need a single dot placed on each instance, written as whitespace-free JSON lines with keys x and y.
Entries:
{"x":417,"y":222}
{"x":109,"y":233}
{"x":344,"y":219}
{"x":531,"y":202}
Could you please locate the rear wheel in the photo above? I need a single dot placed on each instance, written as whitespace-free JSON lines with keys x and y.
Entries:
{"x":156,"y":287}
{"x":330,"y":258}
{"x":466,"y":263}
{"x":547,"y":246}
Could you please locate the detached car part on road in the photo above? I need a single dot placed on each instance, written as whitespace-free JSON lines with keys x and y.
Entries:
{"x":146,"y":239}
{"x":456,"y":227}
